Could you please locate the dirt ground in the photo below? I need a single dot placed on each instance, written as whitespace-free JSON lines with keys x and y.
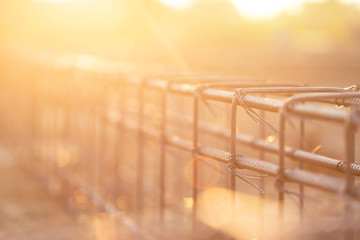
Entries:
{"x":27,"y":211}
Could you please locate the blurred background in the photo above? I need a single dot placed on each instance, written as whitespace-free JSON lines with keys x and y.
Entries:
{"x":296,"y":40}
{"x":51,"y":61}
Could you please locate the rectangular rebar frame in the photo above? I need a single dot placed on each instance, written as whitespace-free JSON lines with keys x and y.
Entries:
{"x":241,"y":94}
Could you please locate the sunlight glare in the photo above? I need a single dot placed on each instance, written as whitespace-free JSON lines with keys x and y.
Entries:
{"x":264,"y":9}
{"x":255,"y":9}
{"x":55,"y":1}
{"x":177,"y":3}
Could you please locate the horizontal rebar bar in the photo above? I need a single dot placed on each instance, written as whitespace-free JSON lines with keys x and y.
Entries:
{"x":315,"y":180}
{"x":261,"y":144}
{"x":295,"y":175}
{"x":262,"y":103}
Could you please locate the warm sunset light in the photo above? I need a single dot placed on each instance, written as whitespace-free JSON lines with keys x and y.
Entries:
{"x":255,"y":9}
{"x":265,"y":9}
{"x":55,"y":1}
{"x":250,"y":9}
{"x":177,"y":3}
{"x":179,"y":119}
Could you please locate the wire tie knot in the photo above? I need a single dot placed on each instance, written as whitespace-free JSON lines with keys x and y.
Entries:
{"x":239,"y":95}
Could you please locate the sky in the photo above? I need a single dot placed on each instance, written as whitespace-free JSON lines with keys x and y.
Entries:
{"x":256,"y":9}
{"x":251,"y":9}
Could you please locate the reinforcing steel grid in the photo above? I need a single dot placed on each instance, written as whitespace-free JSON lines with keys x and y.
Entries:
{"x":198,"y":156}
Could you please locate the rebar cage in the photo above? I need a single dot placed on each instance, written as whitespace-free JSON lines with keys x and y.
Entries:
{"x":192,"y":155}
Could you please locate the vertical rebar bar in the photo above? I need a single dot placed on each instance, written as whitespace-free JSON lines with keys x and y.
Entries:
{"x":97,"y":120}
{"x":104,"y":131}
{"x":118,"y":143}
{"x":140,"y":157}
{"x":301,"y":166}
{"x":234,"y":105}
{"x":281,"y":173}
{"x":350,"y":159}
{"x":164,"y":97}
{"x":195,"y":164}
{"x":262,"y":182}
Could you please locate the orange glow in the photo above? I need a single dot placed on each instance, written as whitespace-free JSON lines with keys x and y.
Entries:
{"x":59,"y":1}
{"x":107,"y":103}
{"x":188,"y":202}
{"x":208,"y":172}
{"x":271,"y":138}
{"x":177,"y":3}
{"x":63,"y":158}
{"x":256,"y":9}
{"x":215,"y":210}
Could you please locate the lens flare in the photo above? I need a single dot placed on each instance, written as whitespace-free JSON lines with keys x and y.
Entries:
{"x":208,"y":172}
